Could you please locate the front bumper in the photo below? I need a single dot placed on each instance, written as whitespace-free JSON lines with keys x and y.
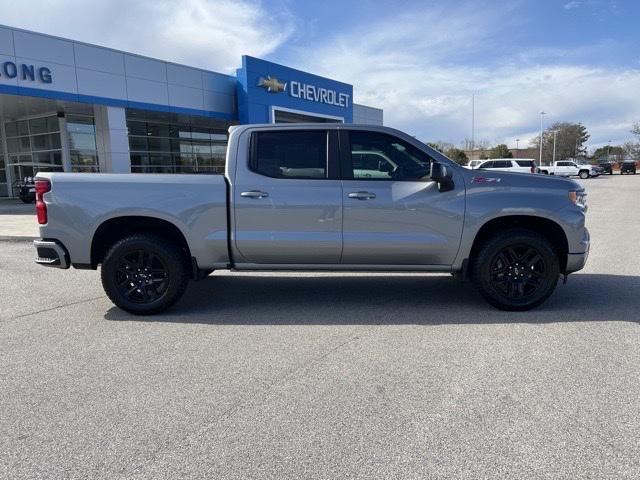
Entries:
{"x":577,"y":261}
{"x":51,"y":253}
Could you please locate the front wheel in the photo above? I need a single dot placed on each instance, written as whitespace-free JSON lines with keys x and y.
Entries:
{"x":144,"y":274}
{"x":583,"y":174}
{"x":516,"y":270}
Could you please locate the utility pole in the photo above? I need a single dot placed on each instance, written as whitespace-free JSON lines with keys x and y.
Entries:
{"x":517,"y":144}
{"x":473,"y":121}
{"x":555,"y":136}
{"x":608,"y":150}
{"x":541,"y":116}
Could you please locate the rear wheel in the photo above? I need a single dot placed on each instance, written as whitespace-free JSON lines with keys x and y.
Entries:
{"x":516,"y":270}
{"x":144,"y":274}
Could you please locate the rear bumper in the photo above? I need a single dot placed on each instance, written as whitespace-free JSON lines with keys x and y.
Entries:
{"x":51,"y":253}
{"x":577,"y":261}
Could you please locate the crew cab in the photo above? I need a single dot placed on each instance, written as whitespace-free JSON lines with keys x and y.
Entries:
{"x":315,"y":197}
{"x":569,"y":168}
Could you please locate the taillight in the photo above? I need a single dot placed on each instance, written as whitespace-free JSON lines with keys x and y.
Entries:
{"x":42,"y":187}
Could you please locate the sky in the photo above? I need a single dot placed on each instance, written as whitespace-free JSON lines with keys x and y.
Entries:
{"x":421,"y":61}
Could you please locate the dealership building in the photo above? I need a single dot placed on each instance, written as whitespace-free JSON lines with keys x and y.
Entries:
{"x":74,"y":107}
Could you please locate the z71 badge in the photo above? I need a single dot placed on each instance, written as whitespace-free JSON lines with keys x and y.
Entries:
{"x":485,"y":180}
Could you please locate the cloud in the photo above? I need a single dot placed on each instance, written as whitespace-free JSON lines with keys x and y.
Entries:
{"x":423,"y":69}
{"x":204,"y":33}
{"x":573,"y":4}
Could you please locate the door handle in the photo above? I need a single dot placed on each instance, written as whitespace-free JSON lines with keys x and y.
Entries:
{"x":254,"y":194}
{"x":362,"y":195}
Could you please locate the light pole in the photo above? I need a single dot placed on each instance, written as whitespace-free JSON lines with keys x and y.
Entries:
{"x":608,"y":150}
{"x":541,"y":116}
{"x":517,"y":144}
{"x":555,"y":136}
{"x":473,"y":121}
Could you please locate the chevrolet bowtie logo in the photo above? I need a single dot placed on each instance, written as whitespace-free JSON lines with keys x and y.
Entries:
{"x":272,"y":84}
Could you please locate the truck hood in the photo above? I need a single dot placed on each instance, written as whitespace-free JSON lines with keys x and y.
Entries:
{"x":495,"y":179}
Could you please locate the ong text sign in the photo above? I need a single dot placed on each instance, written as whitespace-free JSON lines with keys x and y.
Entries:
{"x":25,"y":72}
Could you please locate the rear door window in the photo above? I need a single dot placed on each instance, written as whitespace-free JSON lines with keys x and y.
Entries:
{"x":290,"y":154}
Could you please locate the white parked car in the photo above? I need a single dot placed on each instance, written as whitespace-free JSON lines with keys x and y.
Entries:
{"x":518,"y":165}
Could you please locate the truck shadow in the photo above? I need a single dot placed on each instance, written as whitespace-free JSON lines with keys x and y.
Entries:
{"x":281,"y":299}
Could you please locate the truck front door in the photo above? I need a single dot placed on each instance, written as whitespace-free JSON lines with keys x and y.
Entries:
{"x":287,"y":202}
{"x":566,"y":169}
{"x":395,"y":215}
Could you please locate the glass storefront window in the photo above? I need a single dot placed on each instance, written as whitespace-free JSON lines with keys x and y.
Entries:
{"x":33,"y":145}
{"x":81,"y":134}
{"x":176,"y":148}
{"x":4,"y":190}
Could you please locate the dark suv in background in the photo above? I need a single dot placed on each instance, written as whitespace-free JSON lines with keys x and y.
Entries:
{"x":628,"y":166}
{"x":605,"y":167}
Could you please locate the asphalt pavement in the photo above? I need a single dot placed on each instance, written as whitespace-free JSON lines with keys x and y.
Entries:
{"x":327,"y":375}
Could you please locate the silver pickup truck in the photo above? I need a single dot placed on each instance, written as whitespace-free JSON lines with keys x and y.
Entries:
{"x":315,"y":197}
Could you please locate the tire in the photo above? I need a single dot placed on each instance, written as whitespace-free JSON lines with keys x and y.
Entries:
{"x":144,"y":274}
{"x":500,"y":277}
{"x":583,"y":174}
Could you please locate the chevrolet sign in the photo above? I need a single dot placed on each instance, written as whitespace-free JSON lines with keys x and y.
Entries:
{"x":305,"y":91}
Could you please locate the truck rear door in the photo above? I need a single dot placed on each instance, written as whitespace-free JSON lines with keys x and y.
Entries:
{"x":287,"y":202}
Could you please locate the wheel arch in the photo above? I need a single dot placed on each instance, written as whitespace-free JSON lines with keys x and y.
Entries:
{"x":548,"y":228}
{"x":117,"y":228}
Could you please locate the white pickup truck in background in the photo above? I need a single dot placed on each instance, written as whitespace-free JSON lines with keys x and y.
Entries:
{"x":569,"y":168}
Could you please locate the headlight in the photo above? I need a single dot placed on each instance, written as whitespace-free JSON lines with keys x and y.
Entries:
{"x":578,"y":197}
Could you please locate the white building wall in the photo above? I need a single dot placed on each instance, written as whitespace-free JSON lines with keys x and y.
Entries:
{"x":93,"y":74}
{"x":367,"y":115}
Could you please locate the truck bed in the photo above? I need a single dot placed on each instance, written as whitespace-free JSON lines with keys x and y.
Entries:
{"x":196,"y":204}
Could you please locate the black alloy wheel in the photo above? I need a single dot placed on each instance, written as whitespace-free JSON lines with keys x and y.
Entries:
{"x":517,"y":269}
{"x":145,"y":274}
{"x":142,"y":277}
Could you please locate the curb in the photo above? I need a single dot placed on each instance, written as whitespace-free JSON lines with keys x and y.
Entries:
{"x":11,"y":238}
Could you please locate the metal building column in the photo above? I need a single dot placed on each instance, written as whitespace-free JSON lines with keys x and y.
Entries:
{"x":112,"y":139}
{"x":64,"y":144}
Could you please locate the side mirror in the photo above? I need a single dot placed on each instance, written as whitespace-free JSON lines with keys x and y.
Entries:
{"x":441,"y":174}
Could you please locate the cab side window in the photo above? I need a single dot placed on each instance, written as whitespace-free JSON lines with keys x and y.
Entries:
{"x":379,"y":156}
{"x":290,"y":154}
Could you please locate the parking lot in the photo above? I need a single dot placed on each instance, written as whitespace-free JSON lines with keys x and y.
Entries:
{"x":327,"y":375}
